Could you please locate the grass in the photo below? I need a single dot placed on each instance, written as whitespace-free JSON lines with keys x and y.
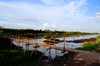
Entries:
{"x":91,"y":46}
{"x":11,"y":57}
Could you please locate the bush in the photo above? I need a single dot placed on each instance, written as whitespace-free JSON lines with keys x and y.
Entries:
{"x":91,"y":46}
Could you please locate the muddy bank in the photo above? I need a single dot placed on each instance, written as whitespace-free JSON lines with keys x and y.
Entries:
{"x":83,"y":40}
{"x":52,"y":41}
{"x":57,"y":36}
{"x":55,"y":41}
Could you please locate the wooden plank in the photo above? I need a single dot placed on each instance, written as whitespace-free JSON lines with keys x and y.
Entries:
{"x":45,"y":45}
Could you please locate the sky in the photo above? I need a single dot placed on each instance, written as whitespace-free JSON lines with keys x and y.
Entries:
{"x":66,"y":15}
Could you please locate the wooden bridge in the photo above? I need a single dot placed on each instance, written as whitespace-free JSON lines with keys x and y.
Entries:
{"x":27,"y":42}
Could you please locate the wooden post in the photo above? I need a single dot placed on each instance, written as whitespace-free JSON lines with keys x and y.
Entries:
{"x":49,"y":43}
{"x":36,"y":45}
{"x":28,"y":45}
{"x":11,"y":41}
{"x":35,"y":38}
{"x":18,"y":42}
{"x":64,"y":45}
{"x":64,"y":48}
{"x":49,"y":49}
{"x":35,"y":51}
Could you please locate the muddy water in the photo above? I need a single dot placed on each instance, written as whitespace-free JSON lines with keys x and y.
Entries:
{"x":54,"y":52}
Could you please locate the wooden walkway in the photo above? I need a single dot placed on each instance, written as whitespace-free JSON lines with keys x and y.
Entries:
{"x":44,"y":45}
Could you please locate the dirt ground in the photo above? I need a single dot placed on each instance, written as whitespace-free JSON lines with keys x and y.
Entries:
{"x":80,"y":59}
{"x":85,"y":59}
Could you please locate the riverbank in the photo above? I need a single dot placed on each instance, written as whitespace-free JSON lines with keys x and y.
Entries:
{"x":22,"y":58}
{"x":87,"y":58}
{"x":53,"y":41}
{"x":91,"y":46}
{"x":84,"y":58}
{"x":11,"y":56}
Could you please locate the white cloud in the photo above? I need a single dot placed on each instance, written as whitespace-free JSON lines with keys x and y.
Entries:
{"x":31,"y":20}
{"x":98,"y":17}
{"x":98,"y":13}
{"x":3,"y":23}
{"x":45,"y":25}
{"x":68,"y":0}
{"x":68,"y":14}
{"x":16,"y":25}
{"x":54,"y":25}
{"x":48,"y":2}
{"x":53,"y":2}
{"x":49,"y":26}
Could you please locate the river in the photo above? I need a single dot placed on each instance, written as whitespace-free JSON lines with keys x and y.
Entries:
{"x":54,"y":52}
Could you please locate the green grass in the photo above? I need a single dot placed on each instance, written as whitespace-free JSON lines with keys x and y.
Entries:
{"x":98,"y":38}
{"x":91,"y":46}
{"x":18,"y":58}
{"x":11,"y":57}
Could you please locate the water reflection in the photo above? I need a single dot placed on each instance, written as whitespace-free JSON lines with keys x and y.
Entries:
{"x":53,"y":51}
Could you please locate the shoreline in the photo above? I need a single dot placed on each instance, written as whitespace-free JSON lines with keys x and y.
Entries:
{"x":77,"y":59}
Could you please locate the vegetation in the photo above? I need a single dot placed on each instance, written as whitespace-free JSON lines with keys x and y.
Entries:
{"x":9,"y":56}
{"x":92,"y":46}
{"x":30,"y":32}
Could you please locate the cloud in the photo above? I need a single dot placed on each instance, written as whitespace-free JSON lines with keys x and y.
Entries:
{"x":44,"y":13}
{"x":31,"y":20}
{"x":54,"y":25}
{"x":98,"y":15}
{"x":47,"y":26}
{"x":17,"y":25}
{"x":68,"y":0}
{"x":52,"y":2}
{"x":3,"y":22}
{"x":48,"y":2}
{"x":59,"y":13}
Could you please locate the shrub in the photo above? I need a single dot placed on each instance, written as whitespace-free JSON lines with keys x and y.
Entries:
{"x":91,"y":46}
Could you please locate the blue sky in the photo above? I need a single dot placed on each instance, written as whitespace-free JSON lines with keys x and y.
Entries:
{"x":66,"y":15}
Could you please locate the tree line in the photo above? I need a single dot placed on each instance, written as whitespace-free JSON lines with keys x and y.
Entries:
{"x":40,"y":32}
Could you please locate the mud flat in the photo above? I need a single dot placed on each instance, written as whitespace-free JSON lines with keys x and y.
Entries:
{"x":83,"y":40}
{"x":55,"y":41}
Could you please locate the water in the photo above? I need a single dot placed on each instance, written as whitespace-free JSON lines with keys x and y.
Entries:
{"x":54,"y":52}
{"x":79,"y":37}
{"x":76,"y":45}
